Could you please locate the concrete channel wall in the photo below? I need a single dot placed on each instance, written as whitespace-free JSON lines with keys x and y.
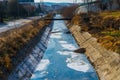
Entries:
{"x":25,"y":69}
{"x":106,"y":63}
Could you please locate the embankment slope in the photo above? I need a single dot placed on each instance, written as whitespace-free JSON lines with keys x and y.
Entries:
{"x":106,"y":63}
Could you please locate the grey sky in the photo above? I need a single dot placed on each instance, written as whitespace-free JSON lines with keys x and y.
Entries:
{"x":58,"y":1}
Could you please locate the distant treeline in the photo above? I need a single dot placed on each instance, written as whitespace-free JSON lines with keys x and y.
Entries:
{"x":104,"y":4}
{"x":69,"y":11}
{"x":12,"y":9}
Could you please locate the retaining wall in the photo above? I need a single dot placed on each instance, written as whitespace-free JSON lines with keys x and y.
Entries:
{"x":36,"y":48}
{"x":106,"y":63}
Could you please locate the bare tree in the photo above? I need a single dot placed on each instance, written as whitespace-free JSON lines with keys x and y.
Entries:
{"x":102,"y":5}
{"x":118,"y":2}
{"x":2,"y":11}
{"x":13,"y":8}
{"x":68,"y":12}
{"x":110,"y":2}
{"x":88,"y":3}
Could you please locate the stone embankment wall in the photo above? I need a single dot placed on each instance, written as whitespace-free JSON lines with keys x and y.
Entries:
{"x":106,"y":63}
{"x":36,"y":48}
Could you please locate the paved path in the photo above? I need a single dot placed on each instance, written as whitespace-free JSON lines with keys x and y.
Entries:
{"x":17,"y":23}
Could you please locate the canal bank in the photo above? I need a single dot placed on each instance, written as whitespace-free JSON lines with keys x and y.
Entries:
{"x":59,"y":61}
{"x":35,"y":50}
{"x":106,"y":63}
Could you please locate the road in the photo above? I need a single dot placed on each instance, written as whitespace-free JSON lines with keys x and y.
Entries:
{"x":60,"y":62}
{"x":16,"y":23}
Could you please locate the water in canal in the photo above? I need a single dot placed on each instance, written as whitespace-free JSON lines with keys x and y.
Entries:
{"x":60,"y":62}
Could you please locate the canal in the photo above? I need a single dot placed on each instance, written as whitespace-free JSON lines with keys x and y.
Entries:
{"x":59,"y":61}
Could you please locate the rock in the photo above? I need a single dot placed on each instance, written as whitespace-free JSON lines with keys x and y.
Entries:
{"x":68,"y":32}
{"x":81,"y":50}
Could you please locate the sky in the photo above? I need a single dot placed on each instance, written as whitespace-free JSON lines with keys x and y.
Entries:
{"x":59,"y":1}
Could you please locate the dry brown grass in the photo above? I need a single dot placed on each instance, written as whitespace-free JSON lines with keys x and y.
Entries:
{"x":110,"y":14}
{"x":14,"y":40}
{"x":104,"y":26}
{"x":110,"y":43}
{"x":76,"y":20}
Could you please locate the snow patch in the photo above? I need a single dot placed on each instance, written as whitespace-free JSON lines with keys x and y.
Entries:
{"x":43,"y":65}
{"x":68,"y":46}
{"x":33,"y":76}
{"x":62,"y":42}
{"x":78,"y":64}
{"x":64,"y":52}
{"x":55,"y":36}
{"x":42,"y":74}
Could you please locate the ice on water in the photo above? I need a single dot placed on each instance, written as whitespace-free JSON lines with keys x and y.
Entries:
{"x":60,"y":62}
